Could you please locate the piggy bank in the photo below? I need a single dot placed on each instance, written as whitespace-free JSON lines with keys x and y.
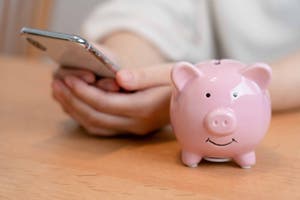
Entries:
{"x":220,"y":110}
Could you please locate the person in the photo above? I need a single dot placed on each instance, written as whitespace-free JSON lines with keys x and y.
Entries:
{"x":146,"y":37}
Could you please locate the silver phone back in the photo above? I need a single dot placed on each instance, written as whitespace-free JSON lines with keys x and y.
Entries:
{"x":71,"y":51}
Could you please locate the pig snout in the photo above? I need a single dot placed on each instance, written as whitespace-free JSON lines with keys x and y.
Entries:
{"x":221,"y":122}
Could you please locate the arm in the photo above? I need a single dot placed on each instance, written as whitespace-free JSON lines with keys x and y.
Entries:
{"x":285,"y":86}
{"x":140,"y":54}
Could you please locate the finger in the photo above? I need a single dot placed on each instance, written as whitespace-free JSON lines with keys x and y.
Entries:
{"x":125,"y":104}
{"x":56,"y":93}
{"x":90,"y":129}
{"x":91,"y":118}
{"x":55,"y":89}
{"x":84,"y":75}
{"x":139,"y":126}
{"x":141,"y":78}
{"x":59,"y":91}
{"x":108,"y":84}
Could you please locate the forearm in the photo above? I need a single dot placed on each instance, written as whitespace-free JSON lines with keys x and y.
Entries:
{"x":132,"y":50}
{"x":285,"y":85}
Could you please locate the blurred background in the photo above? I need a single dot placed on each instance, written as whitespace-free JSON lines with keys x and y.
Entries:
{"x":56,"y":15}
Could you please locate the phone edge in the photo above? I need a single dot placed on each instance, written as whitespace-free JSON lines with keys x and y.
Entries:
{"x":55,"y":35}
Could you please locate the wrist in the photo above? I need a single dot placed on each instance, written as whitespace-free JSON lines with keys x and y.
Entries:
{"x":131,"y":51}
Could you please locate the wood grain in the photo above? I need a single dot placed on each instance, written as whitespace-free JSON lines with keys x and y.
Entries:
{"x":44,"y":155}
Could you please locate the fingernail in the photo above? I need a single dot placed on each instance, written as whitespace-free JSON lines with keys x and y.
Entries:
{"x":69,"y":81}
{"x":108,"y":86}
{"x":126,"y":75}
{"x":88,"y":78}
{"x":56,"y":86}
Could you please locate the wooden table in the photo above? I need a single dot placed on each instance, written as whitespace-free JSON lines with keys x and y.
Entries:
{"x":44,"y":155}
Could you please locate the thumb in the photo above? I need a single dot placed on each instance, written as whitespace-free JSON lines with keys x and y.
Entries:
{"x":142,"y":78}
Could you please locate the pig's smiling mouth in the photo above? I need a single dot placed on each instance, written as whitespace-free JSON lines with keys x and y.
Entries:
{"x":221,"y":145}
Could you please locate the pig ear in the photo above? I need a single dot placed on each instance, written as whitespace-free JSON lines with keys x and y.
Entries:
{"x":260,"y":73}
{"x":182,"y":73}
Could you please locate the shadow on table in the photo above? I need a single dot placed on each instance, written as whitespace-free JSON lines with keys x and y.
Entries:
{"x":72,"y":140}
{"x":71,"y":136}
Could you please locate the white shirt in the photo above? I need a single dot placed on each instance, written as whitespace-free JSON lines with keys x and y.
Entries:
{"x":196,"y":30}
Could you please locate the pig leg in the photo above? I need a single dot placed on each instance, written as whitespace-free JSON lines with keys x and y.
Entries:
{"x":190,"y":159}
{"x":246,"y":160}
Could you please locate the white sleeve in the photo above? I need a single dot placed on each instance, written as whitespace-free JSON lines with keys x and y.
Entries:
{"x":169,"y":25}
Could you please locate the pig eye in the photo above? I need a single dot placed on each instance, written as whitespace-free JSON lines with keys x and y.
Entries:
{"x":235,"y":94}
{"x":207,"y":95}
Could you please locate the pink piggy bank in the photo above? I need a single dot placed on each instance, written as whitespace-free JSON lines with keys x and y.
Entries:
{"x":220,"y":110}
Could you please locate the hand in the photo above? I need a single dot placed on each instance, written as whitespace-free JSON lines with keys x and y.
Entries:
{"x":109,"y":113}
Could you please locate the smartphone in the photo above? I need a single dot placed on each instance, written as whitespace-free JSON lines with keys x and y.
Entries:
{"x":71,"y":51}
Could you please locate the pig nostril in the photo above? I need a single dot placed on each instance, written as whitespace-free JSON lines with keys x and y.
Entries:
{"x":215,"y":123}
{"x":225,"y":123}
